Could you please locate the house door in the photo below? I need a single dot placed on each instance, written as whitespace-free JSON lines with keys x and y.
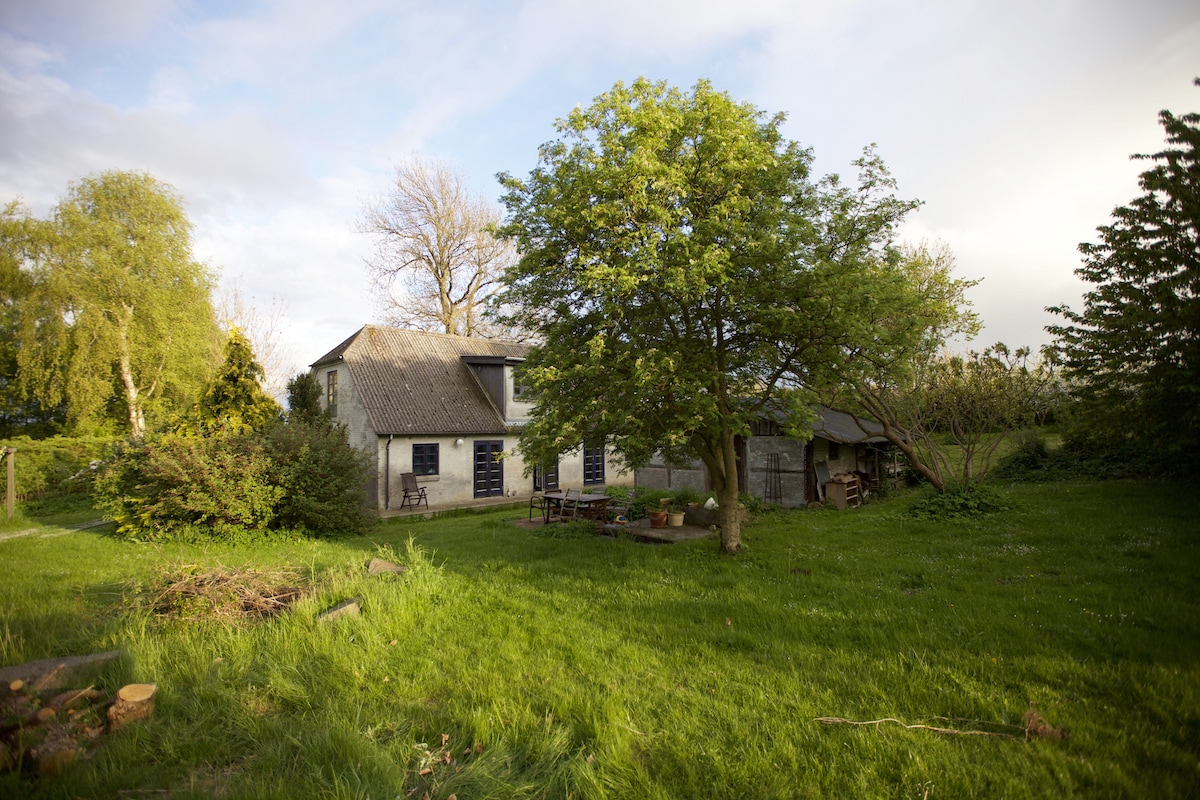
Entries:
{"x":489,"y":469}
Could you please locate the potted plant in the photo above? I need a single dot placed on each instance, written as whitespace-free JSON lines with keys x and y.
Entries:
{"x":675,"y":516}
{"x":658,"y":519}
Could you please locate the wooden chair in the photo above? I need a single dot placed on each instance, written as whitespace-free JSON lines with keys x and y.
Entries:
{"x":621,"y":505}
{"x":569,"y":507}
{"x":414,"y":495}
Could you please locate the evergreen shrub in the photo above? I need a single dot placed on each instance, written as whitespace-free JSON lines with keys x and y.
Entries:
{"x":290,"y":479}
{"x":323,"y":479}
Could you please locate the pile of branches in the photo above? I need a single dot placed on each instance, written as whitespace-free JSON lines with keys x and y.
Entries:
{"x":193,"y":591}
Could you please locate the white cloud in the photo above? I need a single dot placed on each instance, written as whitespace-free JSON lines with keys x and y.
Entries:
{"x":1013,"y":121}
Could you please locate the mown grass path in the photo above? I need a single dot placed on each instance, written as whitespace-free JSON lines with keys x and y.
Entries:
{"x":508,"y":664}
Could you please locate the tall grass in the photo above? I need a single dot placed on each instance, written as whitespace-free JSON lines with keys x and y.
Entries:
{"x":506,"y":664}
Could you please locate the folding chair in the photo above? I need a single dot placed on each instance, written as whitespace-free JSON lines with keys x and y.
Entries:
{"x":413,"y":495}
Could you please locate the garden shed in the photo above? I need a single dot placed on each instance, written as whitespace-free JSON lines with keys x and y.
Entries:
{"x":786,"y":470}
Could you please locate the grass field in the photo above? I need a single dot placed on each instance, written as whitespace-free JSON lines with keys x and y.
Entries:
{"x":507,"y":663}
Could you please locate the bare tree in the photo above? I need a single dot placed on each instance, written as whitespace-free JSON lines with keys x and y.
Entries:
{"x":436,"y":263}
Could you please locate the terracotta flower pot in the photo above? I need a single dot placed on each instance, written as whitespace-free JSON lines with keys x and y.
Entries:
{"x":658,"y":519}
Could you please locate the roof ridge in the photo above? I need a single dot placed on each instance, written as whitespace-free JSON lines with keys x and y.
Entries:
{"x":440,"y":335}
{"x":337,"y":351}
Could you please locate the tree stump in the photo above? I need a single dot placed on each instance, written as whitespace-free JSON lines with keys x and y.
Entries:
{"x":134,"y":702}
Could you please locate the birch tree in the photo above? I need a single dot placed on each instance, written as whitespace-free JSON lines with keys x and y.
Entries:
{"x":119,"y":320}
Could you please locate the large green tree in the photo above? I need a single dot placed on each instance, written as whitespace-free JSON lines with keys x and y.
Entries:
{"x":678,"y":263}
{"x":24,"y":242}
{"x":119,"y":319}
{"x":1134,"y":350}
{"x":916,"y":304}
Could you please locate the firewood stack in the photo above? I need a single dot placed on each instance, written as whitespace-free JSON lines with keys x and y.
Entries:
{"x":44,"y":729}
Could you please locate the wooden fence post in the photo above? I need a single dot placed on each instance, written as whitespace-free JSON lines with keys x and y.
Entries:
{"x":10,"y":454}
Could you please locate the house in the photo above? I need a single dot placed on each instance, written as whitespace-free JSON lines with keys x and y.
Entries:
{"x":786,"y":470}
{"x":447,"y":409}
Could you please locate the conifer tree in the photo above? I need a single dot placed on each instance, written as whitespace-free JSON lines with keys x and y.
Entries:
{"x":1134,"y":350}
{"x":304,"y":400}
{"x":234,"y":400}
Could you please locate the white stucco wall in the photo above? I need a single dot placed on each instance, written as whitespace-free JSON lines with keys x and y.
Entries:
{"x":351,"y":413}
{"x":455,"y":481}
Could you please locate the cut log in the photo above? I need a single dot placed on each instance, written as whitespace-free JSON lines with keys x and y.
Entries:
{"x":55,"y":673}
{"x":65,"y":699}
{"x":16,"y":686}
{"x":26,"y":719}
{"x":52,"y":762}
{"x":134,"y":702}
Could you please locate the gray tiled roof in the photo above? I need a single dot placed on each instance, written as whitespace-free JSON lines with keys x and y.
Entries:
{"x":836,"y":426}
{"x":413,"y":382}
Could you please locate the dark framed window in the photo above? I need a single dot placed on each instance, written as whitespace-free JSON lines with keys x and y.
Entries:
{"x":545,"y":477}
{"x":835,"y":451}
{"x":593,"y":465}
{"x":425,"y":459}
{"x":331,"y":392}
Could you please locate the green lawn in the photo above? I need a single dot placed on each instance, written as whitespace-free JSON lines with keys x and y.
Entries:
{"x":586,"y":667}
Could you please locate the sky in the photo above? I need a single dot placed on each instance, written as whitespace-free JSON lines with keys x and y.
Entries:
{"x":276,"y":121}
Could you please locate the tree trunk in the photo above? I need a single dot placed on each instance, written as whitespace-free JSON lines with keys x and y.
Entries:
{"x":914,"y":459}
{"x":727,"y":496}
{"x":721,"y":460}
{"x":137,"y":416}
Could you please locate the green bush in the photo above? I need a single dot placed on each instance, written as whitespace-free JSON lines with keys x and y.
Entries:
{"x":1028,"y":459}
{"x":293,"y":478}
{"x":56,"y":467}
{"x":958,"y":502}
{"x":322,"y":477}
{"x":223,"y":483}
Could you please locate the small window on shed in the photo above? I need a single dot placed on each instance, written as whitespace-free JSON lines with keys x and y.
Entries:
{"x":835,"y":451}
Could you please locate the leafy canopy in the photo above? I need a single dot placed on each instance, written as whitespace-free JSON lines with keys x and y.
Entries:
{"x":119,"y":319}
{"x":677,"y":262}
{"x":304,"y":400}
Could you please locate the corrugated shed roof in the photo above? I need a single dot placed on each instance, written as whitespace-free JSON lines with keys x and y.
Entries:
{"x":415,"y":383}
{"x":836,"y":426}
